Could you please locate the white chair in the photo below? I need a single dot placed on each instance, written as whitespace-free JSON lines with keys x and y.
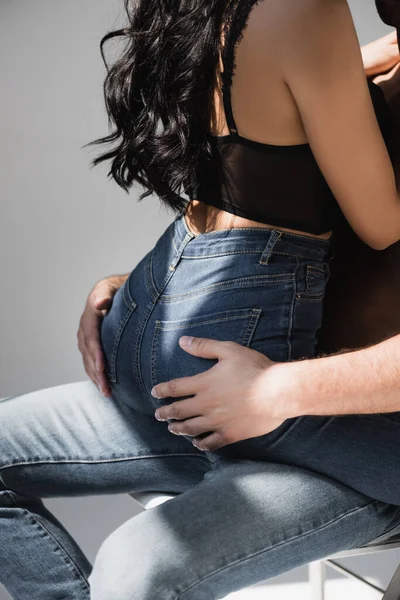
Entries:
{"x":316,"y":569}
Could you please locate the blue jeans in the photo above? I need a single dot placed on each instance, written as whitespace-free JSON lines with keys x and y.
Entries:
{"x":236,"y":520}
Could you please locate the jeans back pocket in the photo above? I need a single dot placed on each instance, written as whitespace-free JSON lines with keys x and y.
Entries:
{"x":169,"y":361}
{"x":315,"y":280}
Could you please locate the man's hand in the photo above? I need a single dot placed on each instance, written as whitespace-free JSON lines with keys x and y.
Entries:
{"x":236,"y":399}
{"x":381,"y":55}
{"x":89,"y":343}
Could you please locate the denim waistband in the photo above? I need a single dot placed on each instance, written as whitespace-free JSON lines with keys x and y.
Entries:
{"x":239,"y":240}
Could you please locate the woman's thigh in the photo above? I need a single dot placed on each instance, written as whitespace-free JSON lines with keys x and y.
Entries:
{"x":245,"y":522}
{"x":70,"y":440}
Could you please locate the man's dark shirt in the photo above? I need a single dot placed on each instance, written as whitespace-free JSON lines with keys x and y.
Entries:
{"x":389,"y":12}
{"x":362,"y":303}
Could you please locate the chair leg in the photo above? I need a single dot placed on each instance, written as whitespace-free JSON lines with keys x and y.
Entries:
{"x":393,"y":589}
{"x":316,"y":577}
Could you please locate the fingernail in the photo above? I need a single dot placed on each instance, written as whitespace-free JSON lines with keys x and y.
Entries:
{"x":186,"y":340}
{"x":153,"y":393}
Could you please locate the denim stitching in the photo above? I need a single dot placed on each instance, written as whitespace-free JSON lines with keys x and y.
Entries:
{"x":265,"y":550}
{"x":248,"y":334}
{"x":311,"y":255}
{"x":127,"y":296}
{"x":153,"y":291}
{"x":78,"y":573}
{"x":275,"y":237}
{"x":310,"y":284}
{"x":194,"y":323}
{"x":137,"y":371}
{"x":251,"y":315}
{"x":154,"y":345}
{"x":307,"y":294}
{"x":100,"y":460}
{"x":199,"y":256}
{"x":137,"y":350}
{"x":311,"y":298}
{"x":315,"y":268}
{"x":117,"y":338}
{"x":291,"y":317}
{"x":238,"y":282}
{"x":35,"y":520}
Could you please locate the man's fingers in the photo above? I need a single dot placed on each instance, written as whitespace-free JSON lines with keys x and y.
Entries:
{"x":95,"y":350}
{"x":205,"y":347}
{"x":182,"y":409}
{"x":191,"y":427}
{"x":209,"y":443}
{"x":99,"y":379}
{"x":96,"y":355}
{"x":89,"y":340}
{"x":93,"y":355}
{"x":184,"y":386}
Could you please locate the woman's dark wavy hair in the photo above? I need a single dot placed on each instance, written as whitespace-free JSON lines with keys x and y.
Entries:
{"x":159,"y":95}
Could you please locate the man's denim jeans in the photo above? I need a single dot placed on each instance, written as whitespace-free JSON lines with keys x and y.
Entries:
{"x":243,"y":514}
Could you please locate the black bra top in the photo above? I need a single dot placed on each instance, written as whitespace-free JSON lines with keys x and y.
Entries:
{"x":272,"y":184}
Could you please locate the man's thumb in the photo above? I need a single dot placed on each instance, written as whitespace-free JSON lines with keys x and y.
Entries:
{"x":204,"y":347}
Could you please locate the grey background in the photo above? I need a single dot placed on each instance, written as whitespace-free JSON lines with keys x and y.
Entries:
{"x":64,"y":226}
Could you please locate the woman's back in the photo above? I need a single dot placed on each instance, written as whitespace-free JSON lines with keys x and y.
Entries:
{"x":270,"y":174}
{"x":264,"y":108}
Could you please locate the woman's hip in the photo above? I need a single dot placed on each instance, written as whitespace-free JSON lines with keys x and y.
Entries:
{"x":260,"y":288}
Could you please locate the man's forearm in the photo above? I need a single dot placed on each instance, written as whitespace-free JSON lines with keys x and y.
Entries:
{"x":380,"y":55}
{"x":361,"y":382}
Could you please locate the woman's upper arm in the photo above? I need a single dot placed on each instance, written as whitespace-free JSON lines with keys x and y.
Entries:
{"x":323,"y":68}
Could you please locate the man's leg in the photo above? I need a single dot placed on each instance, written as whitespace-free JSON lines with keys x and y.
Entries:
{"x":245,"y":522}
{"x":70,"y":440}
{"x":361,"y":451}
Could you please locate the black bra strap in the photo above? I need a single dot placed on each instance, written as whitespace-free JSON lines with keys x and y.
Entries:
{"x":237,"y":24}
{"x":226,"y":77}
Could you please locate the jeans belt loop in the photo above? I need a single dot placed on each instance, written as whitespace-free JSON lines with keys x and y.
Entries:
{"x":273,"y":239}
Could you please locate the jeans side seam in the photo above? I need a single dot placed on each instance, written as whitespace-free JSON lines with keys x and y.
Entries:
{"x":151,"y":286}
{"x":153,"y":354}
{"x":291,"y":317}
{"x":60,"y":546}
{"x":265,"y":550}
{"x":138,"y":346}
{"x":99,"y":460}
{"x":117,"y":338}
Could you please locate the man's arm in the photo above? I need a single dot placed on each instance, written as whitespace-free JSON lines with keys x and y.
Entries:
{"x":380,"y":55}
{"x":245,"y":395}
{"x":360,"y":382}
